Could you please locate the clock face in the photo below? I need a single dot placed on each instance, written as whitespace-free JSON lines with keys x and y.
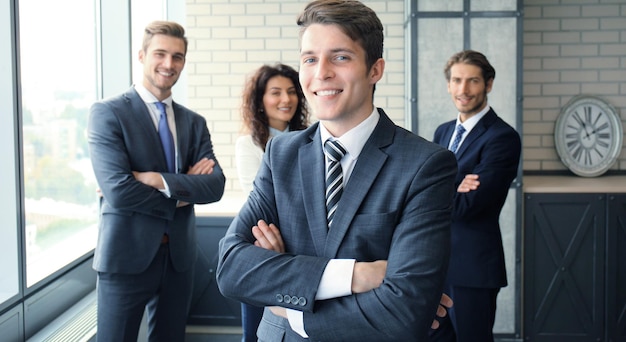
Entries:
{"x":588,"y":136}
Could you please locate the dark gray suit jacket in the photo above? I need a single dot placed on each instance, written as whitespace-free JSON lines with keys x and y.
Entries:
{"x":134,"y":216}
{"x":396,"y":206}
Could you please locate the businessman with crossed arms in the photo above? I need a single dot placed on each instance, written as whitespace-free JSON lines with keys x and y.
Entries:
{"x":365,"y":259}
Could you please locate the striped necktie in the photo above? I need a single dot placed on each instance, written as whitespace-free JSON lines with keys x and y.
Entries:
{"x":334,"y":151}
{"x":457,"y":139}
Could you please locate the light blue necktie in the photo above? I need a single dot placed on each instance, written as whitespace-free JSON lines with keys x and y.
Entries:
{"x":167,"y":140}
{"x":457,"y":139}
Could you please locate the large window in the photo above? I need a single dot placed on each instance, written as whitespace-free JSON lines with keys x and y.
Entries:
{"x":9,"y":277}
{"x":58,"y":85}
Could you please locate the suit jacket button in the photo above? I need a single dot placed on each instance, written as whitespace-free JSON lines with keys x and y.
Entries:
{"x":302,"y":301}
{"x":287,"y":299}
{"x":279,"y":298}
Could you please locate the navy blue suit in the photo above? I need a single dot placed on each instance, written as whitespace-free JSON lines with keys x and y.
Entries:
{"x":396,"y":206}
{"x":491,"y":150}
{"x":134,"y":217}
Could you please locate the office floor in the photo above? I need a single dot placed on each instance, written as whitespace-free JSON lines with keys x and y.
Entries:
{"x":212,"y":338}
{"x":213,"y":334}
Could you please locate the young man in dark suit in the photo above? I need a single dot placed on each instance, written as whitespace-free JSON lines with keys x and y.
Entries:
{"x":488,"y":151}
{"x":146,"y":245}
{"x":371,"y":266}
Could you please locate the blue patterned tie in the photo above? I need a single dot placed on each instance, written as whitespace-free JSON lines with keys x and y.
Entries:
{"x":457,"y":139}
{"x":167,"y":140}
{"x":334,"y":151}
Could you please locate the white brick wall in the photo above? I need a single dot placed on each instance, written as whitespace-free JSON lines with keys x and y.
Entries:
{"x":571,"y":47}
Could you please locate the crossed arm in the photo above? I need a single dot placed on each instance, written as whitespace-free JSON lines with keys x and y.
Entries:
{"x":365,"y":276}
{"x":154,"y":179}
{"x":469,"y":183}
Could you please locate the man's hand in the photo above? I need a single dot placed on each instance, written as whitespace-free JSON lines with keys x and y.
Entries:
{"x":444,"y":304}
{"x":469,"y":183}
{"x":203,"y":167}
{"x":279,"y":311}
{"x":368,"y":275}
{"x":150,"y":178}
{"x":268,"y":237}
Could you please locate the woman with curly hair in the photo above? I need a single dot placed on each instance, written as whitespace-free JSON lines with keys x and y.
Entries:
{"x":273,"y":104}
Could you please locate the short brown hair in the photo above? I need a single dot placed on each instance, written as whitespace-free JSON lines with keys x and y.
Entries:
{"x":473,"y":58}
{"x":356,"y":20}
{"x":168,"y":28}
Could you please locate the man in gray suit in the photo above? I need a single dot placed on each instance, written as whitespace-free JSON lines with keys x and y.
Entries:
{"x":372,"y":267}
{"x":147,"y":240}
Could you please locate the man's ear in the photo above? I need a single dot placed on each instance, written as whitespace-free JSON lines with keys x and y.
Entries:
{"x":489,"y":85}
{"x":141,"y":55}
{"x":376,"y":71}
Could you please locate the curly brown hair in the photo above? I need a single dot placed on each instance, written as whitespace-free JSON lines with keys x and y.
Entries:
{"x":255,"y":119}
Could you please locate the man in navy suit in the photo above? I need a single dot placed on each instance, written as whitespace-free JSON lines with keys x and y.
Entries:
{"x":146,"y":245}
{"x":374,"y":271}
{"x":487,"y":150}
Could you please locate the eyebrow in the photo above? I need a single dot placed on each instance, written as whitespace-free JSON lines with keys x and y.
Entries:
{"x":173,"y":54}
{"x":337,"y":50}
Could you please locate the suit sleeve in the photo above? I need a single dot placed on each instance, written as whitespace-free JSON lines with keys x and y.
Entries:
{"x":197,"y":189}
{"x":496,"y":163}
{"x":260,"y":273}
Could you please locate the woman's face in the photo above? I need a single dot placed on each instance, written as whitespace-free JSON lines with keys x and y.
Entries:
{"x":280,"y":101}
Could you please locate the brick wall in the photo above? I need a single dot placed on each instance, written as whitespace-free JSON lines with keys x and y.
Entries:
{"x":571,"y":47}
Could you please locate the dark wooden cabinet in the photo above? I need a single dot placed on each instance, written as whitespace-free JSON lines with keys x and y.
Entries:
{"x":616,"y":268}
{"x":574,"y":267}
{"x":208,"y":306}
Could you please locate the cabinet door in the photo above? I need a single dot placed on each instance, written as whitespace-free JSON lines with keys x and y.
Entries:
{"x":564,"y":253}
{"x":208,"y":306}
{"x":616,"y":269}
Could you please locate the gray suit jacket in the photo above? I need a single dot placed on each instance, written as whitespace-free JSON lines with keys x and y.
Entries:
{"x":396,"y":206}
{"x":134,"y":216}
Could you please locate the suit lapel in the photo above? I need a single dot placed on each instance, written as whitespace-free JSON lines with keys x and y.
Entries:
{"x":182,"y":140}
{"x":369,"y":164}
{"x":449,"y":129}
{"x":311,"y":164}
{"x":144,"y":119}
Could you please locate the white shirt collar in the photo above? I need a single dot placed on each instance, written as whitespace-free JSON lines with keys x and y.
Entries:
{"x":274,"y":132}
{"x":148,"y":97}
{"x":354,"y":139}
{"x":470,"y":123}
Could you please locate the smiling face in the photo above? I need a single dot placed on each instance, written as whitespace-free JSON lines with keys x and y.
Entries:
{"x":335,"y":79}
{"x":280,"y":101}
{"x":468,"y":89}
{"x":162,"y":60}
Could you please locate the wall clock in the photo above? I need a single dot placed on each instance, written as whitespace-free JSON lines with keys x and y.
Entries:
{"x":588,"y":135}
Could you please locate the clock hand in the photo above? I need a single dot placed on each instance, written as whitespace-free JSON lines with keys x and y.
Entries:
{"x":586,"y":132}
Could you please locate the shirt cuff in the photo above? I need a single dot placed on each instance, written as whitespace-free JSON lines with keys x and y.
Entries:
{"x":336,"y":280}
{"x":166,"y":191}
{"x":296,"y":322}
